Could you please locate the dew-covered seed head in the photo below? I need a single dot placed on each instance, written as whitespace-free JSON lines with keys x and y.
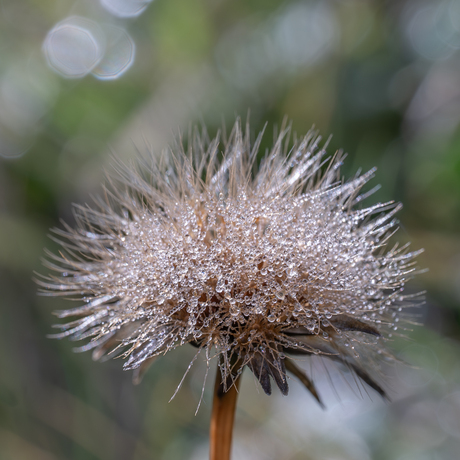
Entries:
{"x":250,"y":263}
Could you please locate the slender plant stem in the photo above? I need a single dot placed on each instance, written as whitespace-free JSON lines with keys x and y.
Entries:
{"x":223,"y":413}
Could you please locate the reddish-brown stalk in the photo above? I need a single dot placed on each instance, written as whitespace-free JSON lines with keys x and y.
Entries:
{"x":223,"y":414}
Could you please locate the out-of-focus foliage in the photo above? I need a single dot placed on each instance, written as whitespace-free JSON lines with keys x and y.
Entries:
{"x":80,"y":79}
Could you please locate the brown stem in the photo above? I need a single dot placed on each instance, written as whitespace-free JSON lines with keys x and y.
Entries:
{"x":223,"y":413}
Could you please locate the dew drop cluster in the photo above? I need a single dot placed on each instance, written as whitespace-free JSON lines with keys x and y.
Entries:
{"x":205,"y":247}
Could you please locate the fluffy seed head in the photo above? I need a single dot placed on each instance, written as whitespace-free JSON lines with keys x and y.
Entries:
{"x":250,"y":263}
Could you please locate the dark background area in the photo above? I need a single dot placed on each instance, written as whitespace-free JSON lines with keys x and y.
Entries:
{"x":81,"y":80}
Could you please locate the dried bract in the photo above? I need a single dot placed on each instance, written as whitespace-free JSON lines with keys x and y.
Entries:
{"x":254,"y":264}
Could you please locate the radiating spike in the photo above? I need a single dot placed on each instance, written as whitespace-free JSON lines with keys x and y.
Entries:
{"x":364,"y":376}
{"x":294,"y":369}
{"x":140,"y":371}
{"x":348,"y":323}
{"x":101,"y":350}
{"x":342,"y":356}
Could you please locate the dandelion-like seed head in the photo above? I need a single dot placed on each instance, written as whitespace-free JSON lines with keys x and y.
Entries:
{"x":253,"y":264}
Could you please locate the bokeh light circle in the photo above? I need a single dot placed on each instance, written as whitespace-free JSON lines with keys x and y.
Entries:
{"x":125,"y":8}
{"x":74,"y":46}
{"x":119,"y":54}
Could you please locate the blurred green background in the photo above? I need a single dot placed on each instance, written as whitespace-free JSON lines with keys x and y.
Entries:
{"x":80,"y":80}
